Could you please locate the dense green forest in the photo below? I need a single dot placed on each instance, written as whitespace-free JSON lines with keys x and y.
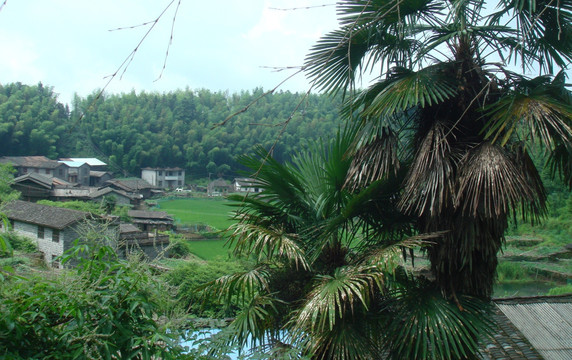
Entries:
{"x":179,"y":128}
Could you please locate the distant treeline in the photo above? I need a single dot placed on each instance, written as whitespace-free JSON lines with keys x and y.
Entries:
{"x":179,"y":128}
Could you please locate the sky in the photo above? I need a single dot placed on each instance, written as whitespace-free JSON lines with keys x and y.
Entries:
{"x":226,"y":45}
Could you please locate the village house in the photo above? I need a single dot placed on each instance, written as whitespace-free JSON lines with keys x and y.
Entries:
{"x":78,"y":172}
{"x":37,"y":164}
{"x":246,"y":185}
{"x":56,"y":229}
{"x":134,"y":241}
{"x":151,"y":221}
{"x":120,"y":196}
{"x":164,"y":178}
{"x":133,"y":186}
{"x":219,"y":187}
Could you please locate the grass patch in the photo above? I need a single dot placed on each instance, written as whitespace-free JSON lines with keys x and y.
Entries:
{"x":210,"y":249}
{"x":213,"y":212}
{"x":560,"y":290}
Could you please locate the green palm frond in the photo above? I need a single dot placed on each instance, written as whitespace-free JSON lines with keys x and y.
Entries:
{"x":267,"y":242}
{"x":389,"y":12}
{"x":244,"y":285}
{"x":255,"y":321}
{"x":424,"y":325}
{"x":538,"y":107}
{"x":336,"y":296}
{"x":333,"y":61}
{"x":405,"y":89}
{"x":387,"y":256}
{"x":544,"y":28}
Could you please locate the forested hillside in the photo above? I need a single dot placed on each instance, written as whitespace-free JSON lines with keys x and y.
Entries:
{"x":136,"y":130}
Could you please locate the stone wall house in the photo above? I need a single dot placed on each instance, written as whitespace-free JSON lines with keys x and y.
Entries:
{"x":164,"y":178}
{"x":246,"y":185}
{"x":56,"y":229}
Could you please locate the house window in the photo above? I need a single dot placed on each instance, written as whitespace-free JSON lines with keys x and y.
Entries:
{"x":37,"y":171}
{"x":24,"y":170}
{"x":180,"y":173}
{"x":48,"y":171}
{"x":40,"y":232}
{"x":160,"y":173}
{"x":55,"y":235}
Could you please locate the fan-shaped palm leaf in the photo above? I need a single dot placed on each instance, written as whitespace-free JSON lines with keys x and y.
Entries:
{"x":336,"y":296}
{"x":405,"y":89}
{"x":424,"y":325}
{"x":538,"y":107}
{"x":268,"y":243}
{"x":430,"y":183}
{"x":491,"y":183}
{"x":244,"y":285}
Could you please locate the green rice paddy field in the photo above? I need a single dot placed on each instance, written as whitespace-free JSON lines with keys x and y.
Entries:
{"x":216,"y":213}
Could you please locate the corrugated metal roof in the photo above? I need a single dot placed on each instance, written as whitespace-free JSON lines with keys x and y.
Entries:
{"x":546,"y":322}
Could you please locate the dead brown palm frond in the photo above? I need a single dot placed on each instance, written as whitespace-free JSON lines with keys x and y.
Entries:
{"x":491,"y":183}
{"x":374,"y":160}
{"x":430,"y":182}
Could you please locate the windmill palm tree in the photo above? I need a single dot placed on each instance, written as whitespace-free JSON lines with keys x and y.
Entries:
{"x":329,"y":281}
{"x":452,"y":107}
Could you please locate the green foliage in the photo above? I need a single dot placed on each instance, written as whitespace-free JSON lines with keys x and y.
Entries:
{"x":104,"y":308}
{"x":189,"y":277}
{"x":327,"y":259}
{"x":509,"y":270}
{"x":19,"y":242}
{"x":33,"y":122}
{"x":7,"y":194}
{"x":178,"y":247}
{"x":560,"y":290}
{"x":194,"y":212}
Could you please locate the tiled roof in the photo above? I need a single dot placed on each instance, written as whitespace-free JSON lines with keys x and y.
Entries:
{"x":36,"y":178}
{"x":125,"y":228}
{"x":50,"y":216}
{"x":97,"y":173}
{"x":142,"y":214}
{"x":107,"y":190}
{"x":31,"y":161}
{"x":131,"y":184}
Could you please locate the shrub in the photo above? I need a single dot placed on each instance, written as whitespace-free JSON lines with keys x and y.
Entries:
{"x":104,"y":308}
{"x":560,"y":290}
{"x":510,"y":271}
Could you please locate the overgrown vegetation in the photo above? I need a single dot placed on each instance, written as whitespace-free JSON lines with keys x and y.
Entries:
{"x":104,"y":308}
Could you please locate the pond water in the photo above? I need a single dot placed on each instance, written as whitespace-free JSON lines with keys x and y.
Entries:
{"x":531,"y":288}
